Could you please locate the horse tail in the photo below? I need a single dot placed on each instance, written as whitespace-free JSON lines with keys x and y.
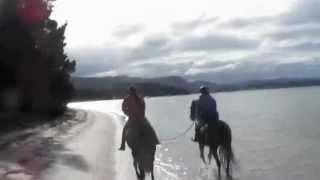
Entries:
{"x":226,"y":154}
{"x":227,"y":158}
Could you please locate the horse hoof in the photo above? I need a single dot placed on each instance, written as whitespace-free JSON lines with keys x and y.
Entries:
{"x":229,"y":177}
{"x":204,"y":161}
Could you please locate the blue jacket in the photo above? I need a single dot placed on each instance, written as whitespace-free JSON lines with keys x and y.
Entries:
{"x":207,"y":108}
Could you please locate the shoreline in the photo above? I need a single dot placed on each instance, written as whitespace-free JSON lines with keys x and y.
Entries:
{"x":194,"y":93}
{"x":97,"y":147}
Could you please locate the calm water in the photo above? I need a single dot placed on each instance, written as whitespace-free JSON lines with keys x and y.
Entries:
{"x":276,"y":134}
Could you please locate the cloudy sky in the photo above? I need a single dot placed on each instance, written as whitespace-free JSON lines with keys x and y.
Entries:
{"x":221,"y":41}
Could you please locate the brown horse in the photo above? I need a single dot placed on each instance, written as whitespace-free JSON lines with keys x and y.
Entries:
{"x":142,"y":140}
{"x":218,"y":137}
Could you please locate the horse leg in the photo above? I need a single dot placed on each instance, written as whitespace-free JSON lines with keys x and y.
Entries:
{"x":201,"y":148}
{"x":210,"y":155}
{"x":152,"y":168}
{"x":229,"y":153}
{"x":228,"y":168}
{"x":135,"y":164}
{"x":215,"y":155}
{"x":152,"y":174}
{"x":142,"y":173}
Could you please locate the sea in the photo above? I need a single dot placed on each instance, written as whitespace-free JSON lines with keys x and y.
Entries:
{"x":276,"y":134}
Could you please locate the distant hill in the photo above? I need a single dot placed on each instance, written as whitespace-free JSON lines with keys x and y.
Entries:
{"x":276,"y":83}
{"x":115,"y":87}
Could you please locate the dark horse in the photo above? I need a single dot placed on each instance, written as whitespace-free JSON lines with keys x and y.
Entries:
{"x":218,"y":137}
{"x":142,"y":140}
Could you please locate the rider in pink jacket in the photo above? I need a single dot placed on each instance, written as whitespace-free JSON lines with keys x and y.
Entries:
{"x":134,"y":107}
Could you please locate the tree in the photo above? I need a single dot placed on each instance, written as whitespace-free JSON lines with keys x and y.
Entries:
{"x":34,"y":69}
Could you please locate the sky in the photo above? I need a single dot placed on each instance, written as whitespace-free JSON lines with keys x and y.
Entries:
{"x":220,"y":41}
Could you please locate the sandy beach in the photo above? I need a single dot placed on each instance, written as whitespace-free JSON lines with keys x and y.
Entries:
{"x":82,"y":147}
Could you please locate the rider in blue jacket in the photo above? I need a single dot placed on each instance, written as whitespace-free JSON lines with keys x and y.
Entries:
{"x":206,"y":110}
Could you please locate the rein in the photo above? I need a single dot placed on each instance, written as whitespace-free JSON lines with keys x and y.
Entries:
{"x":168,"y":140}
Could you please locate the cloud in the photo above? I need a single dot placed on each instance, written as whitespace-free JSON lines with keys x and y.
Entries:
{"x":125,"y":31}
{"x":281,"y":45}
{"x":150,"y":69}
{"x":94,"y":59}
{"x":296,"y":33}
{"x":246,"y":22}
{"x":306,"y":47}
{"x":218,"y":42}
{"x":253,"y":70}
{"x":211,"y":63}
{"x":186,"y":26}
{"x":303,"y":12}
{"x":162,"y":69}
{"x":161,"y":45}
{"x":152,"y":47}
{"x":207,"y":69}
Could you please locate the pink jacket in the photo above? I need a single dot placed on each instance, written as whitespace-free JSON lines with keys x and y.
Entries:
{"x":134,"y":107}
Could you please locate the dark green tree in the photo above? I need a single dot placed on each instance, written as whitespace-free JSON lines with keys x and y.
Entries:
{"x":34,"y":69}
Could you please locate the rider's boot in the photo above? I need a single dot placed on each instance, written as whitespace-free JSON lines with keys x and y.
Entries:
{"x":123,"y":144}
{"x":122,"y":147}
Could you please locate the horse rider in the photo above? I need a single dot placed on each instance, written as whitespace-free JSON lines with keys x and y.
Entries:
{"x":134,"y":107}
{"x":206,"y":110}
